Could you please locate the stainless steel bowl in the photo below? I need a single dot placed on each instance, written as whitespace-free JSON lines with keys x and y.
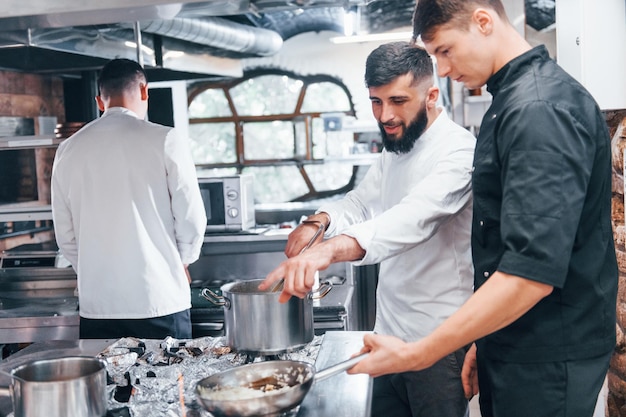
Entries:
{"x":62,"y":387}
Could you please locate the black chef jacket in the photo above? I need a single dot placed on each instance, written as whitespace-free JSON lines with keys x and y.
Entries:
{"x":542,"y":211}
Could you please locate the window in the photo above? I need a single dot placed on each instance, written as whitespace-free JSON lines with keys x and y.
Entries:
{"x":270,"y":123}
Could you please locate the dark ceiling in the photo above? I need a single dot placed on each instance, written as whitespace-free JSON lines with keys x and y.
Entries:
{"x":377,"y":15}
{"x":60,"y":42}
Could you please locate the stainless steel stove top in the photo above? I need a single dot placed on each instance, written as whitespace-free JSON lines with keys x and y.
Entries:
{"x":143,"y":373}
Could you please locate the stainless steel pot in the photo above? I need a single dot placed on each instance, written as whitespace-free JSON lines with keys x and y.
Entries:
{"x":62,"y":387}
{"x":257,"y":323}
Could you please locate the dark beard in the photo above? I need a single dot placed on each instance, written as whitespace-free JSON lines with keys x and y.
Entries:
{"x":405,"y":143}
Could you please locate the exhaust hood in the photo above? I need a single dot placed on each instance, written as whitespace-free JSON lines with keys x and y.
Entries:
{"x":191,"y":39}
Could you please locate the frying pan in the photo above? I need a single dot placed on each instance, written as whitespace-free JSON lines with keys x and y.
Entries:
{"x":296,"y":376}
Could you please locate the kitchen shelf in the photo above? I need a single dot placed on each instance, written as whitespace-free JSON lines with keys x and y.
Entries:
{"x":16,"y":213}
{"x":29,"y":142}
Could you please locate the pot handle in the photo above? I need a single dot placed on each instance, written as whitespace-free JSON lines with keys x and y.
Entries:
{"x":212,"y":297}
{"x":322,"y":290}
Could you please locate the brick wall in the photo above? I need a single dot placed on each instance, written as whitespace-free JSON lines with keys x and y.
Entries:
{"x":32,"y":95}
{"x":616,"y":399}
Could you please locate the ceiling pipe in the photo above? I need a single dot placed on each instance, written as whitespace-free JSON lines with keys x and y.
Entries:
{"x":138,"y":42}
{"x":218,"y":33}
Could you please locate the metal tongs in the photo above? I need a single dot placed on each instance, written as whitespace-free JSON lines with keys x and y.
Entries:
{"x":320,"y":229}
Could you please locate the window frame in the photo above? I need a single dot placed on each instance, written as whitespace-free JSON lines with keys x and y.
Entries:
{"x":300,"y":161}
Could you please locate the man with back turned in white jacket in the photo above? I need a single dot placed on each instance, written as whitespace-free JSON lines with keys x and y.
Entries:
{"x":128,"y":214}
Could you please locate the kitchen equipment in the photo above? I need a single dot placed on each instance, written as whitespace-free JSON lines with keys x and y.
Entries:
{"x":228,"y":202}
{"x":62,"y":387}
{"x":298,"y":377}
{"x":257,"y":323}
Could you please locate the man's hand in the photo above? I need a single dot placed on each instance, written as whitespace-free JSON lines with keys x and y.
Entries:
{"x":298,"y":273}
{"x":388,"y":354}
{"x":303,"y":234}
{"x":469,"y":374}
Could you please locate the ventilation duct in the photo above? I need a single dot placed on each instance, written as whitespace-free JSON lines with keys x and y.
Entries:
{"x":183,"y":47}
{"x":218,"y":33}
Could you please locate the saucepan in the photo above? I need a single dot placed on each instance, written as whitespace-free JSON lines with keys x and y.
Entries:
{"x":263,"y":388}
{"x":257,"y":323}
{"x":61,"y":387}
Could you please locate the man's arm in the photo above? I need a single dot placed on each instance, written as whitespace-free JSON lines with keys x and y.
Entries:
{"x":62,"y":219}
{"x":299,"y":271}
{"x":186,"y":200}
{"x":497,"y":303}
{"x":302,"y":234}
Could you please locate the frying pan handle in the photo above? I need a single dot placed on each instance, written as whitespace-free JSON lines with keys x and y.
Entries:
{"x":341,"y":366}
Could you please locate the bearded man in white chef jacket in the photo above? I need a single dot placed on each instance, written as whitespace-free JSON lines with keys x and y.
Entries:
{"x":128,"y":214}
{"x":412,"y":214}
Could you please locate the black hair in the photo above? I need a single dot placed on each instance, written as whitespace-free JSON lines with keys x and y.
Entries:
{"x":391,"y":60}
{"x":429,"y":15}
{"x":120,"y":75}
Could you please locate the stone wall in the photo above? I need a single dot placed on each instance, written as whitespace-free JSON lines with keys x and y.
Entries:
{"x":616,"y":399}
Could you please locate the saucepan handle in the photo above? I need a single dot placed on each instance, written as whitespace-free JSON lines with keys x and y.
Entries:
{"x":323,"y":289}
{"x":212,"y":297}
{"x":341,"y":366}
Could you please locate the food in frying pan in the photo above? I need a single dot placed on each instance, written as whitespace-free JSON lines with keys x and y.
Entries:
{"x":271,"y":384}
{"x":234,"y":393}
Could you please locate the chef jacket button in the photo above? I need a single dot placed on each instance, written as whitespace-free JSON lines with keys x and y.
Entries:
{"x":486,"y":274}
{"x":482,"y":223}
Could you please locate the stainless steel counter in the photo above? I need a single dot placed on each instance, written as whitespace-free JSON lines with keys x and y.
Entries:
{"x":37,"y":303}
{"x":341,"y":395}
{"x":38,"y":329}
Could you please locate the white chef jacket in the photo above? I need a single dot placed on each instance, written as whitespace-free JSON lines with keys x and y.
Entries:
{"x":127,"y":215}
{"x":412,"y":214}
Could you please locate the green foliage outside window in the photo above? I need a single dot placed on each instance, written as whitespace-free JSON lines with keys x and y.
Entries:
{"x":211,"y":103}
{"x":268,"y":140}
{"x":275,"y":132}
{"x":316,"y":98}
{"x":213,"y":143}
{"x":265,"y":95}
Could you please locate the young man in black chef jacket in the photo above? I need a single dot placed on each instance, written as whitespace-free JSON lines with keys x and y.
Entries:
{"x":543,"y":313}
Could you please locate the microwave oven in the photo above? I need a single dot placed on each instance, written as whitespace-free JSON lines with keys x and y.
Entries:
{"x":228,"y":202}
